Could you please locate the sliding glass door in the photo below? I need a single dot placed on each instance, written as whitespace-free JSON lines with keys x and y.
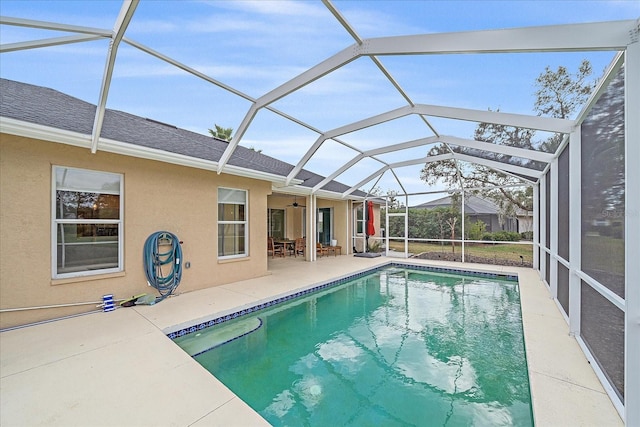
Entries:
{"x":325,"y":226}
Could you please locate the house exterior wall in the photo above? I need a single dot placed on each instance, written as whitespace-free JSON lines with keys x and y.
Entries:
{"x":157,"y":196}
{"x":340,"y":222}
{"x":492,"y":222}
{"x":293,"y":216}
{"x":525,"y":223}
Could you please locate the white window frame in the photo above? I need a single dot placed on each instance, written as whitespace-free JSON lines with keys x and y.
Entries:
{"x":55,"y":223}
{"x":245,"y":223}
{"x":359,"y":223}
{"x":270,"y":222}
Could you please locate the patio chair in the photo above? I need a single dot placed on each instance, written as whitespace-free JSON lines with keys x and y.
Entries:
{"x":300,"y":246}
{"x":321,"y":250}
{"x":274,"y":249}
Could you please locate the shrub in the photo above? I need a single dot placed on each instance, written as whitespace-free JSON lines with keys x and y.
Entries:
{"x":488,"y":237}
{"x":501,"y":236}
{"x":506,"y":236}
{"x":477,"y":230}
{"x":375,"y":246}
{"x":526,"y":235}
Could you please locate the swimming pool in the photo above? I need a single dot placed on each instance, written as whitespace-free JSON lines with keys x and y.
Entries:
{"x":394,"y":347}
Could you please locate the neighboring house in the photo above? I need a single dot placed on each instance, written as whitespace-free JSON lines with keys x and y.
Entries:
{"x":74,"y":222}
{"x":479,"y":209}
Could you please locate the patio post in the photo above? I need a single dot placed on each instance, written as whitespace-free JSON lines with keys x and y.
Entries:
{"x":553,"y":229}
{"x":632,"y":234}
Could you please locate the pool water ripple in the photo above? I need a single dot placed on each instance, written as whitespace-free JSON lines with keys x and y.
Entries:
{"x":407,"y":348}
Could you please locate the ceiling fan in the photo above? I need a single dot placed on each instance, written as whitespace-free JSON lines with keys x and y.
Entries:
{"x":295,"y":203}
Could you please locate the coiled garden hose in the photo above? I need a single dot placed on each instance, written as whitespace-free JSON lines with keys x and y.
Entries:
{"x":163,"y":269}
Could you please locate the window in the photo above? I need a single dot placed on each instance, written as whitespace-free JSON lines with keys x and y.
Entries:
{"x":87,"y":222}
{"x":232,"y":223}
{"x":276,"y":223}
{"x":360,"y":219}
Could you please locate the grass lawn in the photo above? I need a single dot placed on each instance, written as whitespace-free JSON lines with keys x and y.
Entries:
{"x":603,"y":253}
{"x":487,"y":250}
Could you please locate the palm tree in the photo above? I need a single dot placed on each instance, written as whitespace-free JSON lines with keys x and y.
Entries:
{"x":221,"y":133}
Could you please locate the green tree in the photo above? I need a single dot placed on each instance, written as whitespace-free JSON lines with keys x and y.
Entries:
{"x":476,"y":230}
{"x":392,"y":197}
{"x":221,"y":133}
{"x":559,"y":93}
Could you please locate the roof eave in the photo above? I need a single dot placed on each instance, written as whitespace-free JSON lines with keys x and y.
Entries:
{"x":46,"y":133}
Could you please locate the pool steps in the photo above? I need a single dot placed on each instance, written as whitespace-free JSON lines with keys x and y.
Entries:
{"x":209,"y":338}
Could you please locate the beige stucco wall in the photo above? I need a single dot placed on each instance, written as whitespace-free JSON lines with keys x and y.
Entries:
{"x":157,"y":196}
{"x":340,"y":222}
{"x":294,"y":216}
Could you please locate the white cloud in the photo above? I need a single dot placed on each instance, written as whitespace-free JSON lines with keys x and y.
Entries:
{"x":131,"y":70}
{"x":279,"y":7}
{"x":146,"y":26}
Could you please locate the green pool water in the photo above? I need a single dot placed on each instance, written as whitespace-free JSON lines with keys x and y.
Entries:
{"x":394,"y":348}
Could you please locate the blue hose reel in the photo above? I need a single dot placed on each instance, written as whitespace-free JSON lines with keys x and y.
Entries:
{"x":162,"y":259}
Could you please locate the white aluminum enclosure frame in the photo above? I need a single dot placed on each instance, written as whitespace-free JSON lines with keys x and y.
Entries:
{"x":620,"y":36}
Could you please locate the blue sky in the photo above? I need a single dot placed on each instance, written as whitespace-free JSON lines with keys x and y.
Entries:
{"x":256,"y":46}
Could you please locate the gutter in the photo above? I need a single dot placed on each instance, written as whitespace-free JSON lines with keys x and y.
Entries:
{"x":60,"y":136}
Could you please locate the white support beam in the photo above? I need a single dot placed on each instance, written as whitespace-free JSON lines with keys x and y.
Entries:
{"x":404,"y":190}
{"x":549,"y":124}
{"x":348,"y":229}
{"x":543,"y":226}
{"x":518,"y":177}
{"x":632,"y":232}
{"x":610,"y":36}
{"x":337,"y":172}
{"x":532,"y":122}
{"x":371,"y":121}
{"x":186,"y":68}
{"x":536,"y":227}
{"x":233,"y":144}
{"x":342,"y":20}
{"x":312,"y":237}
{"x":364,"y":181}
{"x":575,"y":231}
{"x":553,"y":230}
{"x":462,"y":222}
{"x":312,"y":74}
{"x":376,"y":151}
{"x":428,"y":159}
{"x":54,"y":41}
{"x":44,"y":25}
{"x":402,"y":146}
{"x":614,"y":35}
{"x":498,"y":165}
{"x":406,"y":226}
{"x":386,"y":226}
{"x":352,"y":127}
{"x":211,"y":80}
{"x":305,"y":158}
{"x":122,"y":22}
{"x":507,"y":150}
{"x":609,"y":73}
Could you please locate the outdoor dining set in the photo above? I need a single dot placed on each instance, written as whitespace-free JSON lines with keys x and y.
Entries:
{"x":295,"y":247}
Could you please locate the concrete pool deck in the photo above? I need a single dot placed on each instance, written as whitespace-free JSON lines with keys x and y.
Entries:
{"x":120,"y":369}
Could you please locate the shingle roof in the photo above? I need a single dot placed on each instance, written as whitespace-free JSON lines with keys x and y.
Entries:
{"x":472,"y":205}
{"x":49,"y":107}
